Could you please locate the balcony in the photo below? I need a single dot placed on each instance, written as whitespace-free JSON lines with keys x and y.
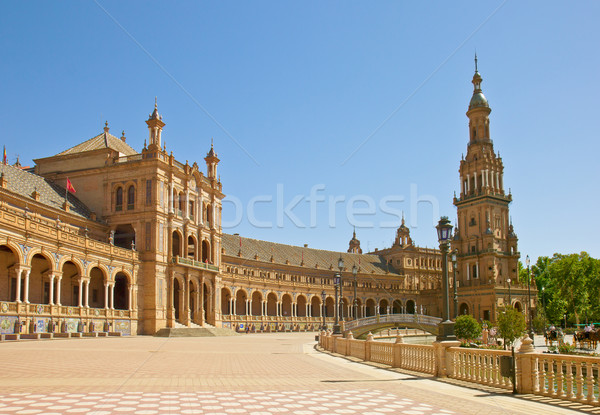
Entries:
{"x":186,"y":262}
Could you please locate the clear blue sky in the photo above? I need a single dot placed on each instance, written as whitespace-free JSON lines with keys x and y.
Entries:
{"x":289,"y":91}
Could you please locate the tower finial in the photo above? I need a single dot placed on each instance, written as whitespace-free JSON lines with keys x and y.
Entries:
{"x":475,"y":61}
{"x":211,"y":142}
{"x":156,"y":98}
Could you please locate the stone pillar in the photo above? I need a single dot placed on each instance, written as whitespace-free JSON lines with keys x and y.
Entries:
{"x":18,"y":272}
{"x":58,"y":284}
{"x":80,"y":292}
{"x":443,"y":362}
{"x":106,"y":295}
{"x":87,"y":293}
{"x":26,"y":296}
{"x":51,"y":299}
{"x":130,"y":296}
{"x":527,"y":369}
{"x":112,"y":296}
{"x":171,"y":199}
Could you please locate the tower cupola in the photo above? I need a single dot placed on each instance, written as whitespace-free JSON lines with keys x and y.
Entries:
{"x":354,"y":245}
{"x":155,"y":126}
{"x":211,"y":162}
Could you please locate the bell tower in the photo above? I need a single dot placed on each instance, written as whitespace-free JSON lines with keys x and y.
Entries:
{"x":155,"y":126}
{"x":211,"y":162}
{"x":485,"y":240}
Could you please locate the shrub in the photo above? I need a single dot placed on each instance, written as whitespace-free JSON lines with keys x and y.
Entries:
{"x":511,"y":324}
{"x":467,"y":328}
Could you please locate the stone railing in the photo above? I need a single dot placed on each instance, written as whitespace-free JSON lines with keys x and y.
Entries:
{"x":194,"y":264}
{"x":566,"y":377}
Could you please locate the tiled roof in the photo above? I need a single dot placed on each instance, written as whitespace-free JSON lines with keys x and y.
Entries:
{"x":24,"y":183}
{"x":103,"y":140}
{"x":294,"y":254}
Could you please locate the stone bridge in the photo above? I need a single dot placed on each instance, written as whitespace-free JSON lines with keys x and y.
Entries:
{"x":383,"y":321}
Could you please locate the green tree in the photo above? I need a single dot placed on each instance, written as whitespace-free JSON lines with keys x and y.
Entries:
{"x":511,"y":324}
{"x":467,"y":328}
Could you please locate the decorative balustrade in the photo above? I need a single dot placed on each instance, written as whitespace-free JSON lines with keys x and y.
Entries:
{"x":194,"y":264}
{"x":478,"y":366}
{"x":574,"y":378}
{"x":566,"y":377}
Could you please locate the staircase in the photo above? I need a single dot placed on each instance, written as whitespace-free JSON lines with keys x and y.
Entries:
{"x":194,"y":330}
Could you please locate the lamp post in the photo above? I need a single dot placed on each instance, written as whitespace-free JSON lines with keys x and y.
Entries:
{"x":323,"y":310}
{"x":355,"y":272}
{"x":509,"y":297}
{"x":341,"y":304}
{"x":336,"y":323}
{"x":455,"y":284}
{"x":529,"y":313}
{"x":446,"y":327}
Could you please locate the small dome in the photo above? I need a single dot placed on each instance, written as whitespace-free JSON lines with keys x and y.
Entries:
{"x":478,"y":100}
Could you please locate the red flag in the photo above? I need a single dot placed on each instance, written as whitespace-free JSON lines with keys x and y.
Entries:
{"x":4,"y":158}
{"x":70,"y":187}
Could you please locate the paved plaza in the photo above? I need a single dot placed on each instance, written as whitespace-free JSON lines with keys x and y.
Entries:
{"x":248,"y":374}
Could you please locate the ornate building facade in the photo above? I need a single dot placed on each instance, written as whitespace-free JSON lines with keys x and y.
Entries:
{"x":139,"y":247}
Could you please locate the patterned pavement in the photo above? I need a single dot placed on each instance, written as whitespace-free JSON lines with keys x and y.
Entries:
{"x":303,"y":402}
{"x":277,"y":373}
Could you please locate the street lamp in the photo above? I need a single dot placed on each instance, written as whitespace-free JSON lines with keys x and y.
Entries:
{"x":455,"y":283}
{"x":323,"y":310}
{"x":336,"y":323}
{"x":355,"y":272}
{"x":444,"y":230}
{"x":341,"y":304}
{"x":529,"y":311}
{"x":509,"y":297}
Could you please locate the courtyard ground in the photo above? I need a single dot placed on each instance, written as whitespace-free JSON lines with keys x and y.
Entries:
{"x":248,"y":374}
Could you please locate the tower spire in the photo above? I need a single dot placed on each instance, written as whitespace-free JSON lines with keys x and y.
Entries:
{"x":476,"y":62}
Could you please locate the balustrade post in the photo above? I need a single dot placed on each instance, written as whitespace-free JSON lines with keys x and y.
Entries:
{"x":443,"y":358}
{"x":368,"y":344}
{"x":397,"y":351}
{"x":349,"y":339}
{"x":526,"y":360}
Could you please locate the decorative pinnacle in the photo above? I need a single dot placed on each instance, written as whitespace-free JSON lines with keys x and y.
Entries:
{"x":475,"y":61}
{"x":156,"y":98}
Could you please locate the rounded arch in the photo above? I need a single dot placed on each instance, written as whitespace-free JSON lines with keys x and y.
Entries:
{"x":518,"y":306}
{"x":176,"y":242}
{"x":131,"y":197}
{"x":397,"y":307}
{"x":75,"y":262}
{"x":191,"y":246}
{"x":124,"y":271}
{"x":8,"y":281}
{"x":286,"y":305}
{"x":383,"y":306}
{"x":205,"y":251}
{"x":118,"y":191}
{"x":225,"y":301}
{"x":329,"y":307}
{"x":301,"y":303}
{"x":369,"y":307}
{"x":38,"y":251}
{"x":257,"y":299}
{"x":121,"y":291}
{"x":272,"y":304}
{"x":463,"y":309}
{"x":39,"y":283}
{"x":16,"y":250}
{"x":72,"y":271}
{"x":98,"y":277}
{"x":315,"y":306}
{"x":410,"y":307}
{"x":241,"y":296}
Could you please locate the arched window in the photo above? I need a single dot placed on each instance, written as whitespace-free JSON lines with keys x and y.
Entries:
{"x":119,"y":199}
{"x":130,"y":197}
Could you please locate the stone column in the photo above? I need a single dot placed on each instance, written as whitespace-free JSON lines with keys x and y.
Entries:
{"x":26,"y":297}
{"x":171,"y":199}
{"x":130,"y":296}
{"x":112,"y":296}
{"x":51,"y":299}
{"x":80,"y":292}
{"x":18,"y":272}
{"x":87,"y":293}
{"x":58,"y":284}
{"x":106,"y":295}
